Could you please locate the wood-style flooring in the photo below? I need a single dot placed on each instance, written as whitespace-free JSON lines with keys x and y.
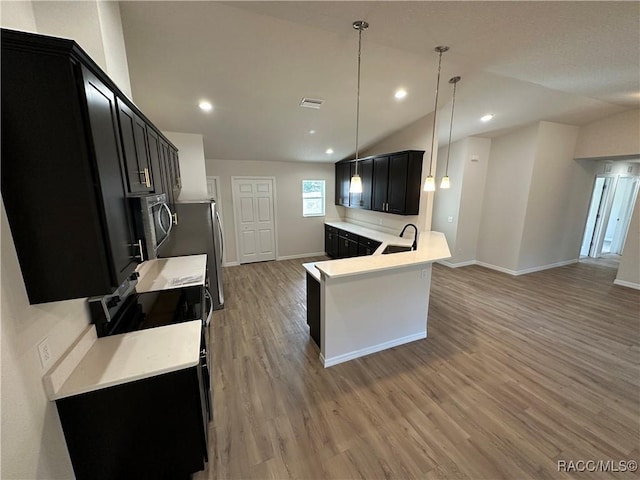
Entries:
{"x":516,"y":374}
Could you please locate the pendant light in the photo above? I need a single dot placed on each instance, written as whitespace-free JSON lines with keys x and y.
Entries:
{"x":445,"y":183}
{"x":356,"y":181}
{"x":430,"y":183}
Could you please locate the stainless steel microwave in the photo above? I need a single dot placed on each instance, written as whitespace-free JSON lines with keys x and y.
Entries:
{"x":154,"y":221}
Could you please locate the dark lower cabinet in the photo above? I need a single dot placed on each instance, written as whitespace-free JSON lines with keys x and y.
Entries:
{"x":339,"y":243}
{"x":331,"y":241}
{"x":313,"y":308}
{"x":153,"y":428}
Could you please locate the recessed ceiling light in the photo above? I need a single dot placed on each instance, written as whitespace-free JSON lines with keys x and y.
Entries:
{"x":487,"y":117}
{"x":400,"y":93}
{"x":205,"y":106}
{"x":329,"y":151}
{"x":311,"y":132}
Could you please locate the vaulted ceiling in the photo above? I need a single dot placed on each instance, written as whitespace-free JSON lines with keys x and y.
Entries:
{"x":569,"y":62}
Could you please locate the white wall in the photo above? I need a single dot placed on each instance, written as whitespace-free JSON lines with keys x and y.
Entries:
{"x":33,"y":445}
{"x":464,"y":200}
{"x":296,"y":235}
{"x":611,"y":136}
{"x":416,"y":136}
{"x":446,"y":203}
{"x":629,"y":270}
{"x":505,"y":198}
{"x":193,"y":172}
{"x":558,"y":200}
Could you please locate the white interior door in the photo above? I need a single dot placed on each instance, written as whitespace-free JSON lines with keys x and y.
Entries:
{"x":253,"y":209}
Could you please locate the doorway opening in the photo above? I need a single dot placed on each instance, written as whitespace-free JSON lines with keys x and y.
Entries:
{"x":610,"y":211}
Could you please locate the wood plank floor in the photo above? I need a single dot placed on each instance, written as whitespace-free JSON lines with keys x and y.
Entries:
{"x":516,"y":374}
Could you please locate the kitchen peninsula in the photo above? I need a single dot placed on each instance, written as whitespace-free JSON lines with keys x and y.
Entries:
{"x":374,"y":302}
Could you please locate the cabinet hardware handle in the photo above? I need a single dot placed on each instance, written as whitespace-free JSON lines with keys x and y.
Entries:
{"x":139,"y":245}
{"x":175,"y":218}
{"x":147,"y":181}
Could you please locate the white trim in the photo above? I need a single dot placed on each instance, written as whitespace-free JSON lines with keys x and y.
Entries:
{"x":497,"y":268}
{"x":624,"y":283}
{"x":230,"y":264}
{"x":301,"y":255}
{"x":547,"y":267}
{"x":457,"y":265}
{"x":517,"y":273}
{"x":345,"y":357}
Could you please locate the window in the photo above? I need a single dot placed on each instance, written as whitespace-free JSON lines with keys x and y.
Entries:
{"x":313,"y":198}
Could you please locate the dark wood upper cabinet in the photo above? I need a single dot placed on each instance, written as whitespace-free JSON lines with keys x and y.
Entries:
{"x":365,"y":170}
{"x":133,"y":131}
{"x":64,"y":179}
{"x":380,"y":183}
{"x":343,"y":177}
{"x":391,"y":183}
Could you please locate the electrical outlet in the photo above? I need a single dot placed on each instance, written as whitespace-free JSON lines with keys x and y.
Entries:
{"x":450,"y":219}
{"x":425,"y":273}
{"x":45,"y":353}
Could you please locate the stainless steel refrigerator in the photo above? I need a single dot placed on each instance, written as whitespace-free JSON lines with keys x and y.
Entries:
{"x":198,"y":231}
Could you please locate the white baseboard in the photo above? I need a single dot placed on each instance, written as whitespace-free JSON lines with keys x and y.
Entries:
{"x":231,"y":264}
{"x":525,"y":271}
{"x":624,"y":283}
{"x":345,"y":357}
{"x":300,"y":255}
{"x":457,"y":265}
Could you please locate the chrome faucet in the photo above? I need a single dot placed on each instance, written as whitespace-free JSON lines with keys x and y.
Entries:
{"x":414,"y":246}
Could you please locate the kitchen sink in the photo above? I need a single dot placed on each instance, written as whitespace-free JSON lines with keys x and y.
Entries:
{"x":395,"y":249}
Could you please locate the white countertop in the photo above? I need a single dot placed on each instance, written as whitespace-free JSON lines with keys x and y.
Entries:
{"x":124,"y":358}
{"x":172,"y":272}
{"x":432,"y":246}
{"x":313,"y":271}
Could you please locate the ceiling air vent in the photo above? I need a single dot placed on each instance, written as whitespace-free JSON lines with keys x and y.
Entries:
{"x":311,"y":103}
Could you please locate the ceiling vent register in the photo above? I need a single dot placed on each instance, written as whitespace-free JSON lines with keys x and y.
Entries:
{"x":311,"y":103}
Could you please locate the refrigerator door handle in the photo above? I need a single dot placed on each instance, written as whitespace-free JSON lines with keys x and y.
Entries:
{"x":220,"y":235}
{"x":207,"y":295}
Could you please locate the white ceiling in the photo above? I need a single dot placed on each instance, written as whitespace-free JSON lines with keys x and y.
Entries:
{"x":569,"y":62}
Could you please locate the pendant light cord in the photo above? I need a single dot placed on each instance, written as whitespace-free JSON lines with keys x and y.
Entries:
{"x":435,"y":111}
{"x":360,"y":27}
{"x":454,"y":80}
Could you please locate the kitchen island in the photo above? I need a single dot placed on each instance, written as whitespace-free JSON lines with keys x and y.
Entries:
{"x":371,"y":303}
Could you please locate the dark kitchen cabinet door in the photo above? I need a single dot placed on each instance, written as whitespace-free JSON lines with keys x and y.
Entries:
{"x":347,"y":247}
{"x":380,"y":183}
{"x":138,"y":167}
{"x":101,"y":106}
{"x":62,"y":170}
{"x":397,"y":183}
{"x":366,"y":246}
{"x":331,"y":241}
{"x":175,"y":165}
{"x":166,"y":168}
{"x":343,"y":178}
{"x":365,"y":170}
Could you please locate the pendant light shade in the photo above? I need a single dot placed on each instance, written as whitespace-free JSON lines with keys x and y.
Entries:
{"x":445,"y":183}
{"x":430,"y":183}
{"x":356,"y":182}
